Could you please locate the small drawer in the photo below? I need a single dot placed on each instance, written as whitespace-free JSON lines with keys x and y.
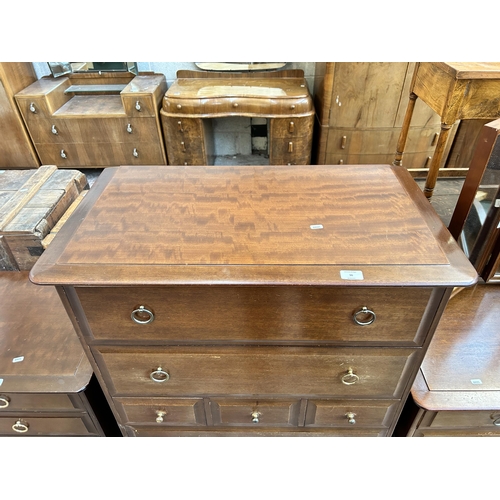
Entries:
{"x":34,"y":402}
{"x":255,"y":413}
{"x":179,"y":106}
{"x":284,"y":314}
{"x":260,"y":371}
{"x":468,"y":418}
{"x":161,"y":411}
{"x":351,"y":413}
{"x":292,"y":127}
{"x":139,"y":105}
{"x":43,"y":426}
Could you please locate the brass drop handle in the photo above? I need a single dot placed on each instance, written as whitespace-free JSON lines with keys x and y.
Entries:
{"x":427,"y":161}
{"x":183,"y":146}
{"x":21,"y":426}
{"x":341,"y":162}
{"x":496,"y":419}
{"x":32,"y":107}
{"x":159,"y":375}
{"x":179,"y":124}
{"x":159,"y":416}
{"x":54,"y":130}
{"x":364,"y":316}
{"x":291,"y":127}
{"x":137,"y":105}
{"x":4,"y":401}
{"x":255,"y":416}
{"x":63,"y":154}
{"x":351,"y":417}
{"x":435,"y":139}
{"x":129,"y":128}
{"x":290,"y":147}
{"x":343,"y":141}
{"x":135,"y":153}
{"x":350,"y":377}
{"x":142,"y":316}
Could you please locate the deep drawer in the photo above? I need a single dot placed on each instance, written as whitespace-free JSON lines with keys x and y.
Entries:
{"x":255,"y":413}
{"x":34,"y":402}
{"x":255,"y":314}
{"x":256,"y":371}
{"x":469,"y":418}
{"x":162,"y":411}
{"x":43,"y":426}
{"x":347,"y":413}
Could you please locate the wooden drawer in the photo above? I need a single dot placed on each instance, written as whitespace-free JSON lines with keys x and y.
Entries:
{"x":184,"y":139}
{"x":350,"y":413}
{"x":140,"y":105}
{"x":296,"y":150}
{"x":35,"y":402}
{"x":412,"y":160}
{"x":44,"y":426}
{"x":260,"y":371}
{"x":465,"y":432}
{"x":468,"y":418}
{"x":255,"y":413}
{"x":162,"y":411}
{"x":106,"y":154}
{"x":102,"y":130}
{"x":278,"y":314}
{"x":292,"y":127}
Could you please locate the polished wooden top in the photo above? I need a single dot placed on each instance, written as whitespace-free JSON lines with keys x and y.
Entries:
{"x":39,"y":348}
{"x":461,"y":369}
{"x":247,"y":224}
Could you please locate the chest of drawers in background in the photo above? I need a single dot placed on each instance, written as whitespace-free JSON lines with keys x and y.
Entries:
{"x":46,"y":383}
{"x":90,"y":121}
{"x":255,"y":300}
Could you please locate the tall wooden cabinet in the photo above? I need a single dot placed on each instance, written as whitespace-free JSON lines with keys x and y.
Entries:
{"x":16,"y":148}
{"x":359,"y":113}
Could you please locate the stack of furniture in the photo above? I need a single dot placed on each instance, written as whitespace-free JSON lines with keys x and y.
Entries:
{"x":95,"y":120}
{"x":255,"y":301}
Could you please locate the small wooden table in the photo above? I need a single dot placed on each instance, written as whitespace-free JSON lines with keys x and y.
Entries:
{"x":456,"y":91}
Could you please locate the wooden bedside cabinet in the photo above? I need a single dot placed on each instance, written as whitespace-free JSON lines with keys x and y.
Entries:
{"x":46,"y":383}
{"x":270,"y":301}
{"x":86,"y":121}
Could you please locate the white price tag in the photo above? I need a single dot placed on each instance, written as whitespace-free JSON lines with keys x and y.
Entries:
{"x":18,"y":359}
{"x":476,"y":381}
{"x":352,"y":275}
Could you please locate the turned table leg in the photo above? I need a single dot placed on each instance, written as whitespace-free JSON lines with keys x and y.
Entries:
{"x":432,"y":175}
{"x":398,"y":161}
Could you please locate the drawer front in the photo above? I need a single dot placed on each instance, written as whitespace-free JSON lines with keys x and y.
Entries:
{"x":350,"y":413}
{"x":468,"y":418}
{"x":139,"y":105}
{"x":410,"y":160}
{"x":293,"y":151}
{"x":85,"y":131}
{"x":161,"y":411}
{"x":34,"y":107}
{"x":292,"y":127}
{"x":34,"y":402}
{"x":43,"y":426}
{"x":255,"y":413}
{"x":104,"y":154}
{"x":184,"y":141}
{"x":260,"y":371}
{"x":255,"y":314}
{"x":465,"y":432}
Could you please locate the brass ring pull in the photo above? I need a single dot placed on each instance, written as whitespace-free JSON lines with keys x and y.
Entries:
{"x":350,"y":377}
{"x":350,"y":417}
{"x":21,"y":426}
{"x":159,"y":375}
{"x":255,"y":416}
{"x":4,"y":401}
{"x":364,"y":311}
{"x":142,"y":316}
{"x":160,"y":414}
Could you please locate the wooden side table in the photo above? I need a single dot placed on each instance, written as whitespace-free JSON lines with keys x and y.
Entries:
{"x":456,"y":91}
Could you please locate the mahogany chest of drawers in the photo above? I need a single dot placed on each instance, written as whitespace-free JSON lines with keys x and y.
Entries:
{"x":274,"y":301}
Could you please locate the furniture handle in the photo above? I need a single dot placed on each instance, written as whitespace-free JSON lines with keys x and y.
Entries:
{"x":290,"y":147}
{"x":235,"y":104}
{"x":4,"y":401}
{"x":291,"y":127}
{"x":350,"y":377}
{"x":159,"y":375}
{"x":427,"y":161}
{"x":343,"y":141}
{"x":364,"y":311}
{"x":21,"y":426}
{"x":435,"y":139}
{"x":179,"y":123}
{"x":496,"y":419}
{"x":292,"y":106}
{"x":159,"y":416}
{"x":142,"y":316}
{"x":63,"y":154}
{"x":255,"y":416}
{"x":137,"y":105}
{"x":54,"y":130}
{"x":183,"y":147}
{"x":32,"y":107}
{"x":129,"y":128}
{"x":179,"y":106}
{"x":350,"y":417}
{"x":136,"y":153}
{"x":341,"y":162}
